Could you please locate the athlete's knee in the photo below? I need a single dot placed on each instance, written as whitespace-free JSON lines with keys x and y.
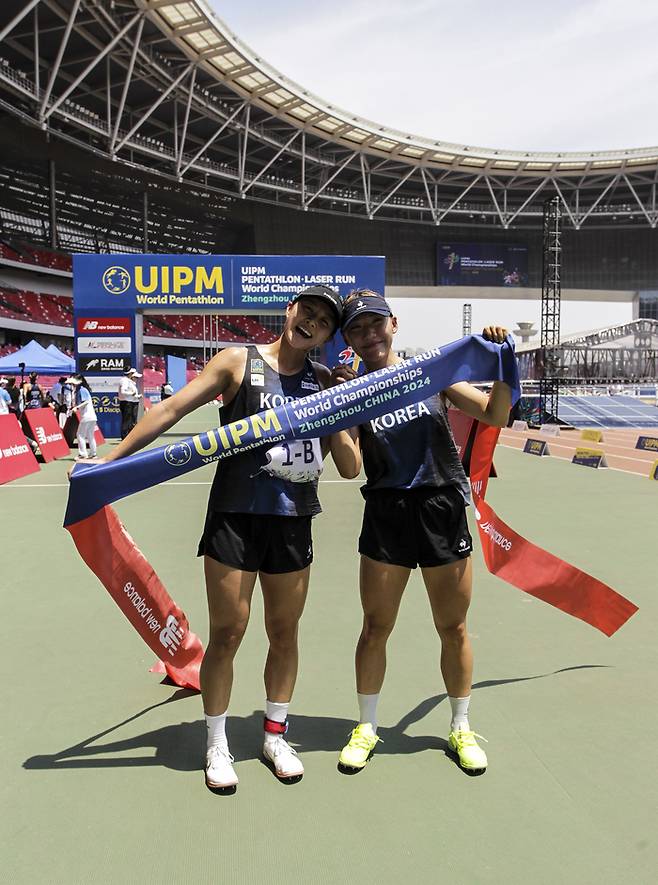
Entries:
{"x":282,"y":634}
{"x":453,"y":633}
{"x":376,"y":630}
{"x":226,"y":640}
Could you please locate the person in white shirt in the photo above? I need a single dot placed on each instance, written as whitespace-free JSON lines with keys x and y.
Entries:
{"x":129,"y":397}
{"x":5,"y":399}
{"x":87,"y":417}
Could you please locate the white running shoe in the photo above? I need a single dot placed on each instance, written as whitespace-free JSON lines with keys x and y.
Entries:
{"x":286,"y":762}
{"x":219,"y":768}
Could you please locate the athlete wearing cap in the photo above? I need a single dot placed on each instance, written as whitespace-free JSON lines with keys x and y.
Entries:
{"x":258,"y":522}
{"x":415,"y":499}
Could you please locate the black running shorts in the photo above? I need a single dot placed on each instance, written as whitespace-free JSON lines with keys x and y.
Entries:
{"x":410,"y":527}
{"x":255,"y":543}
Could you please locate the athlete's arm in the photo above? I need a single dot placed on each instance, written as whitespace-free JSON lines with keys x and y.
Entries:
{"x":344,"y":445}
{"x":223,"y":374}
{"x":492,"y":409}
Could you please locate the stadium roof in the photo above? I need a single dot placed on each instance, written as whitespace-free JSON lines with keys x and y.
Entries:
{"x":166,"y":87}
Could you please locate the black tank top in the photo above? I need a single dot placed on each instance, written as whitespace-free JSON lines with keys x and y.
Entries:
{"x":34,"y":397}
{"x":412,"y":448}
{"x":240,"y":484}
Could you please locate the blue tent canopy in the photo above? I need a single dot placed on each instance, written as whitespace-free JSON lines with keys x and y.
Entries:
{"x":36,"y":359}
{"x":68,"y":363}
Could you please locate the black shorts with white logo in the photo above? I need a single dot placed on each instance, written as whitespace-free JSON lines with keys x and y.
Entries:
{"x":410,"y":527}
{"x":253,"y":543}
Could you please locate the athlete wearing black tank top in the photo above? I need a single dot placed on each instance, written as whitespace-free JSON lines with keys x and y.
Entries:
{"x":259,"y":519}
{"x":416,"y":493}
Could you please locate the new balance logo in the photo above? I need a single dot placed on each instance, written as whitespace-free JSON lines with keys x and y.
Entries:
{"x":171,"y":635}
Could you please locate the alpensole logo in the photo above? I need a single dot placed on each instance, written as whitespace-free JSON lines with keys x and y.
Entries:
{"x":86,"y":344}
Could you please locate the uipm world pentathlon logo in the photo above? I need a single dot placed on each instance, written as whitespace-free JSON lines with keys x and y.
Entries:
{"x":178,"y":454}
{"x":116,"y":280}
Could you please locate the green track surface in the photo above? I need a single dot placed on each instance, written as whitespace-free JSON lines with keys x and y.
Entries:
{"x":101,"y":761}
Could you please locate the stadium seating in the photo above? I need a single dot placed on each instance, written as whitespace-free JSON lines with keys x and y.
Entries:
{"x":51,"y":310}
{"x":38,"y":256}
{"x":232,"y":329}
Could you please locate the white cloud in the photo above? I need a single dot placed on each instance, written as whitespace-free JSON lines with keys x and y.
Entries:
{"x":575,"y":75}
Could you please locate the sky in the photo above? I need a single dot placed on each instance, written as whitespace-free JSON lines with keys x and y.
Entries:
{"x":573,"y":75}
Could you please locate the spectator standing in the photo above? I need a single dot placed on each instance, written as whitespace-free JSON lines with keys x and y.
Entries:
{"x":129,"y":397}
{"x":87,"y":416}
{"x":5,"y":399}
{"x":56,"y":390}
{"x":15,"y":396}
{"x":32,"y":393}
{"x":166,"y":391}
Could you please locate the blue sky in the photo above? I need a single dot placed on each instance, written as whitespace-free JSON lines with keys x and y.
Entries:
{"x":577,"y":75}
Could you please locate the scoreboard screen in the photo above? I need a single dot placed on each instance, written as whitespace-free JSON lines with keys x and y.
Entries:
{"x":481,"y":264}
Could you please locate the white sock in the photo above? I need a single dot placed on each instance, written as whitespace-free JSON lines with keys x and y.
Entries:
{"x":216,"y":726}
{"x":368,"y":709}
{"x":276,"y":712}
{"x":459,"y":708}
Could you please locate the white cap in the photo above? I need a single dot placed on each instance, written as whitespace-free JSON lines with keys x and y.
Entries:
{"x":4,"y":380}
{"x":132,"y":371}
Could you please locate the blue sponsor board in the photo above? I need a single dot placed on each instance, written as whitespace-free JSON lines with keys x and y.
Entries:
{"x":589,"y":458}
{"x":111,"y":291}
{"x":246,"y":283}
{"x":536,"y":447}
{"x":647,"y":443}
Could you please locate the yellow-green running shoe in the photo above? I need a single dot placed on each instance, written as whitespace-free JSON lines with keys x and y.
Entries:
{"x":471,"y":756}
{"x":362,"y":742}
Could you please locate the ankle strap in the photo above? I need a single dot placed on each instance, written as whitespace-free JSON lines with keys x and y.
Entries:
{"x":272,"y":727}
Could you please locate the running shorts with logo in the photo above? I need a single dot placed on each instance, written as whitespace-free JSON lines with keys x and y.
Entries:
{"x":253,"y":542}
{"x":410,"y":527}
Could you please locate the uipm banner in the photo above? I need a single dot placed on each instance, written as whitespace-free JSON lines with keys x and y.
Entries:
{"x":255,"y":283}
{"x":110,"y":291}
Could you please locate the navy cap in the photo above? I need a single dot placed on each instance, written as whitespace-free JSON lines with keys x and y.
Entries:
{"x":365,"y":304}
{"x":330,"y":296}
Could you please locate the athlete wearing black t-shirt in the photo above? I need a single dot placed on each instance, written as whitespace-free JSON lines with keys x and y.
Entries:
{"x":416,"y":493}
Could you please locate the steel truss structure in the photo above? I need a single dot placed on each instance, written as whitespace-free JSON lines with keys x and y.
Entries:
{"x":551,"y":292}
{"x":163,"y":86}
{"x":624,"y":353}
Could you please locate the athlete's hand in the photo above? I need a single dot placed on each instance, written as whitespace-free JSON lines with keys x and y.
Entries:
{"x":497,"y":334}
{"x":340,"y":374}
{"x":85,"y":461}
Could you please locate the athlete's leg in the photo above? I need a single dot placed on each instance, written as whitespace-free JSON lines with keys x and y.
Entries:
{"x":229,"y":593}
{"x":382,"y":586}
{"x":284,"y":596}
{"x":449,"y":590}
